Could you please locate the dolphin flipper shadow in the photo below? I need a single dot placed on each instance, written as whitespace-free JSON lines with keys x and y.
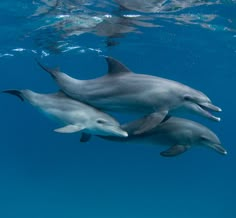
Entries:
{"x":85,"y":137}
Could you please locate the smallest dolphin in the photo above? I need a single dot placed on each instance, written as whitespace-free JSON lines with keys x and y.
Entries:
{"x":176,"y":133}
{"x":74,"y":115}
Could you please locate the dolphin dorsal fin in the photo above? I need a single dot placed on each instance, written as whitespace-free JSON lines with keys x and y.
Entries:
{"x":115,"y":67}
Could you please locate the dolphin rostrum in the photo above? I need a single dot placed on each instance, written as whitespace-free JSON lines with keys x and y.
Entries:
{"x":177,"y":133}
{"x":121,"y":90}
{"x":74,"y":115}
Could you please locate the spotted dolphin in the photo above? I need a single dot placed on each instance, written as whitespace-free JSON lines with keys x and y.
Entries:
{"x":74,"y":115}
{"x":177,"y":133}
{"x":122,"y":90}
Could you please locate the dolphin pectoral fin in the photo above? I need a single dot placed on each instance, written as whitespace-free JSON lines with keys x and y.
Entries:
{"x":151,"y":121}
{"x":85,"y":137}
{"x":69,"y":129}
{"x":174,"y":150}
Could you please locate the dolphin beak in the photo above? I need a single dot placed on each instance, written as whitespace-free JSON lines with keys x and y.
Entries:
{"x":117,"y":131}
{"x":219,"y":149}
{"x":205,"y":106}
{"x":210,"y":106}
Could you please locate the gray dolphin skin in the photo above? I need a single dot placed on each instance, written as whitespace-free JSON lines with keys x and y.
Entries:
{"x":177,"y":133}
{"x":74,"y":115}
{"x":122,"y":90}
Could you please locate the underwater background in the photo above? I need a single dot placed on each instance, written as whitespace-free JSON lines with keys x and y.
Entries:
{"x":46,"y":174}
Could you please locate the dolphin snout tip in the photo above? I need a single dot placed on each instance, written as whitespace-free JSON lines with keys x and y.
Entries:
{"x":220,"y":149}
{"x":216,"y":108}
{"x":218,"y":119}
{"x":224,"y":152}
{"x":125,"y":134}
{"x":219,"y":109}
{"x":120,"y":133}
{"x":210,"y":106}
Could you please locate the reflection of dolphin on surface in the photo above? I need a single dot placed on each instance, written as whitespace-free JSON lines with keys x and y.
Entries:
{"x":75,"y":115}
{"x":62,"y":19}
{"x":61,"y":27}
{"x":124,"y":91}
{"x":161,"y":6}
{"x":150,"y":6}
{"x":180,"y":134}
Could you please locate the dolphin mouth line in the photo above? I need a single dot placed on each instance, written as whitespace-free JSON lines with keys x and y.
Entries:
{"x":119,"y":132}
{"x":219,"y":149}
{"x":206,"y":108}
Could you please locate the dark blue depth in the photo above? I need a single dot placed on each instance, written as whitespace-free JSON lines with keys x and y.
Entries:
{"x":44,"y":174}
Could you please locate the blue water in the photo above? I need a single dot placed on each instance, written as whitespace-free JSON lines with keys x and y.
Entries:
{"x":44,"y":174}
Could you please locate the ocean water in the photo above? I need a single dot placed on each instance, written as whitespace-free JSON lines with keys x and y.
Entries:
{"x":44,"y":174}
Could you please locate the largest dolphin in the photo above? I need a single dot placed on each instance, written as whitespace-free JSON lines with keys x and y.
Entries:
{"x":177,"y":133}
{"x":74,"y":115}
{"x":122,"y":90}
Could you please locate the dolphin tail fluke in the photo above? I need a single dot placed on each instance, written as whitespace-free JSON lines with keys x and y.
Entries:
{"x":16,"y":93}
{"x":52,"y":72}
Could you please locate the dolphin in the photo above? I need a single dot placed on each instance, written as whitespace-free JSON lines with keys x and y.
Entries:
{"x":151,"y":6}
{"x":177,"y":133}
{"x":122,"y":90}
{"x":76,"y":116}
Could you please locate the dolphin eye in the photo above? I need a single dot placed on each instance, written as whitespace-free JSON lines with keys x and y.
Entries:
{"x":100,"y":121}
{"x":187,"y":98}
{"x":204,"y":138}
